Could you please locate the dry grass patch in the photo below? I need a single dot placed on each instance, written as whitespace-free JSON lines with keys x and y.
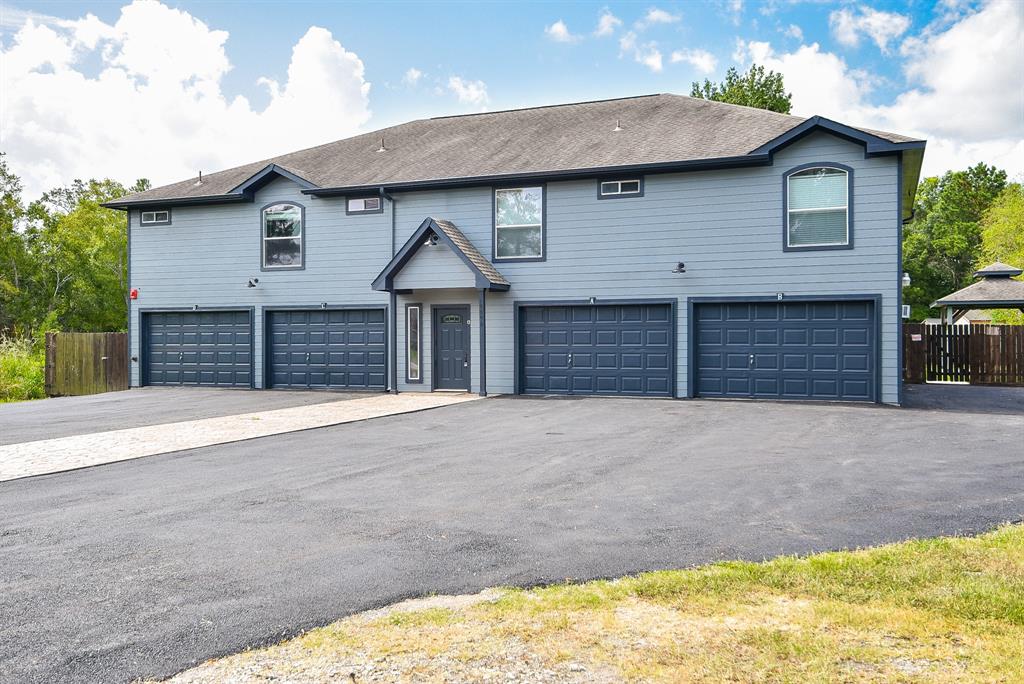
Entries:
{"x":943,"y":610}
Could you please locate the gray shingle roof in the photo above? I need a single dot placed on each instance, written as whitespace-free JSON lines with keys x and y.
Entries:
{"x":472,"y":253}
{"x":989,"y":293}
{"x":655,"y":129}
{"x":998,"y":269}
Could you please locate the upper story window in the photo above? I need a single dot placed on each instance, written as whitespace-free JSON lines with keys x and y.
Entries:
{"x":283,"y":236}
{"x":156,"y":218}
{"x":626,"y":187}
{"x":363,"y":205}
{"x":818,"y":208}
{"x":519,"y":223}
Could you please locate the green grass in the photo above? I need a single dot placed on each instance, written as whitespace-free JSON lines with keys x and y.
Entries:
{"x":21,"y":370}
{"x":940,"y":610}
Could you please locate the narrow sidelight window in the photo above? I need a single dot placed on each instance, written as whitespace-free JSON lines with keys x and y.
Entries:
{"x":519,"y":223}
{"x":156,"y":218}
{"x":630,"y":187}
{"x":414,"y":347}
{"x":817,"y":214}
{"x":282,"y":236}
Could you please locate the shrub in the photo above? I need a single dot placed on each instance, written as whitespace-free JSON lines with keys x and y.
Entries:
{"x":22,"y":373}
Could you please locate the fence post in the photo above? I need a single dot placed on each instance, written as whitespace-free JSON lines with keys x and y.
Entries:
{"x":50,"y":347}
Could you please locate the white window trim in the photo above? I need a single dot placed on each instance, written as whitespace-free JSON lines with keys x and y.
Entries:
{"x":154,"y":221}
{"x":414,"y":311}
{"x":350,"y":211}
{"x":620,"y":191}
{"x":789,"y":210}
{"x":519,"y":226}
{"x":301,"y":239}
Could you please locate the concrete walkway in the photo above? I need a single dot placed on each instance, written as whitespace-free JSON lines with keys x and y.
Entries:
{"x":81,"y":451}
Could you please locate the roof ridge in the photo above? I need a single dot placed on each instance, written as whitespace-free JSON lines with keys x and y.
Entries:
{"x":549,"y":106}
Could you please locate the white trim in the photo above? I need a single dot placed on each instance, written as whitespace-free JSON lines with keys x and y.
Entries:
{"x":620,"y":191}
{"x":790,"y":210}
{"x":519,"y":226}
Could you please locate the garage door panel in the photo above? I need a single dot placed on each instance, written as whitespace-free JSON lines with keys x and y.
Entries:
{"x":600,"y":349}
{"x":812,"y":350}
{"x":197,"y":348}
{"x":327,"y":349}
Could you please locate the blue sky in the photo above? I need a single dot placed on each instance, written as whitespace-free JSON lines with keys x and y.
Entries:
{"x":894,"y":65}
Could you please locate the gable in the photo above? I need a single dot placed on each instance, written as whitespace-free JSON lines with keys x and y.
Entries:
{"x":435,"y":266}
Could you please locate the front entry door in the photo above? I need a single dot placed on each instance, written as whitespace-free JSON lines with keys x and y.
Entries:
{"x":451,"y":347}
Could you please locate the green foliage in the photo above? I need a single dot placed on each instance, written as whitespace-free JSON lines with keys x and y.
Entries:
{"x":21,"y":370}
{"x":942,"y":245}
{"x":1002,"y":239}
{"x":752,"y":89}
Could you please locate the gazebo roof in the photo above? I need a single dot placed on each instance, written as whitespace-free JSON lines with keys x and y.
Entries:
{"x":996,"y":290}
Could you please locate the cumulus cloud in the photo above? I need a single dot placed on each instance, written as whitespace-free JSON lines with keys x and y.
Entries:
{"x":701,"y":60}
{"x":964,"y":92}
{"x":412,"y":76}
{"x":469,"y":92}
{"x":606,"y":24}
{"x":657,"y":16}
{"x":560,"y":33}
{"x":155,"y":106}
{"x":795,"y":32}
{"x":882,"y":27}
{"x":647,"y":54}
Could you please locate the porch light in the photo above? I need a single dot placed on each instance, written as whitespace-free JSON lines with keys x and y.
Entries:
{"x":906,"y":279}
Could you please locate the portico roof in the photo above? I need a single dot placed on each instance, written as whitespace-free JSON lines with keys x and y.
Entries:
{"x":432,"y":231}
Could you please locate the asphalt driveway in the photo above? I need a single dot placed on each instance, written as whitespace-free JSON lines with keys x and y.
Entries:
{"x":145,"y":567}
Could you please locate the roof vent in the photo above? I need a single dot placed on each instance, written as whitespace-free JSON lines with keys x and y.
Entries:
{"x":200,"y":181}
{"x":382,"y":148}
{"x":617,"y":127}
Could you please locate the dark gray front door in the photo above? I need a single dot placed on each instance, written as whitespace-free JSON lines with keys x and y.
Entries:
{"x":787,"y":350}
{"x":197,"y":348}
{"x":327,"y":349}
{"x":623,"y":349}
{"x":451,"y":347}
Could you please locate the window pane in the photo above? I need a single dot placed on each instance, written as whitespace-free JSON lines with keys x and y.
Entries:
{"x":414,"y":343}
{"x":817,"y":227}
{"x":147,"y":217}
{"x":160,"y":216}
{"x":519,"y":242}
{"x":282,"y":220}
{"x":519,"y":207}
{"x":609,"y":188}
{"x":371,"y":203}
{"x":287,"y":252}
{"x":817,"y":188}
{"x":631,"y":186}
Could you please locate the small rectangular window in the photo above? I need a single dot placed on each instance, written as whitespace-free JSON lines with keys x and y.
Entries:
{"x":161,"y":217}
{"x":414,"y":346}
{"x":519,"y":223}
{"x":626,"y":187}
{"x":363,"y":205}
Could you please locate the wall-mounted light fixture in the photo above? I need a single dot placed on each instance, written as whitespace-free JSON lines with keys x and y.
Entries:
{"x":593,"y":300}
{"x":431,"y":240}
{"x":195,"y":307}
{"x":680,"y":268}
{"x":906,"y":279}
{"x":323,"y":305}
{"x":253,"y":282}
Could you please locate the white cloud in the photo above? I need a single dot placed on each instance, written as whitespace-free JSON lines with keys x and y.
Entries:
{"x":412,"y":76}
{"x":607,"y":23}
{"x":701,"y":60}
{"x":560,"y":33}
{"x":156,"y":107}
{"x":795,"y":32}
{"x":736,"y":11}
{"x":469,"y":92}
{"x":647,"y":54}
{"x":881,"y":27}
{"x":964,"y":95}
{"x":657,"y":16}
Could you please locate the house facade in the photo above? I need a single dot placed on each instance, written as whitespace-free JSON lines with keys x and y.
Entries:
{"x":652,"y":246}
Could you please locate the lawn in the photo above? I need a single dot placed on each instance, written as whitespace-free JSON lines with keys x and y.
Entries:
{"x":939,"y":610}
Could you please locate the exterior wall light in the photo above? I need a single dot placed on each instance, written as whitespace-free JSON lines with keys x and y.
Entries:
{"x":906,"y":279}
{"x":253,"y":282}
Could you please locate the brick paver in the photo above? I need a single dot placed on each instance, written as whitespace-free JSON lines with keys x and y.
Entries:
{"x":68,"y":453}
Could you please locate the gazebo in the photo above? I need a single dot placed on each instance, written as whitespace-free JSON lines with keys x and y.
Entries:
{"x":995,"y":289}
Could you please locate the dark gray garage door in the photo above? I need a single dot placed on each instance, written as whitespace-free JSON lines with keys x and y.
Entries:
{"x":602,"y":349}
{"x":197,"y":348}
{"x":327,"y":349}
{"x":787,"y":350}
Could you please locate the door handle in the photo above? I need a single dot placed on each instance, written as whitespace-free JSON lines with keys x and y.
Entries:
{"x":570,"y":361}
{"x":307,"y":357}
{"x":751,"y":361}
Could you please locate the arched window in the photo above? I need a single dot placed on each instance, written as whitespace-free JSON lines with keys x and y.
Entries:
{"x":283,"y":236}
{"x":818,"y":207}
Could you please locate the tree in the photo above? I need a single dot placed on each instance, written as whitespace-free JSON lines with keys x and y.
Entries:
{"x":942,"y":245}
{"x":15,"y":266}
{"x":1002,"y":239}
{"x":752,"y":89}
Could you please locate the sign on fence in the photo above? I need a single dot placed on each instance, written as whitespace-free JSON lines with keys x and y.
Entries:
{"x":86,"y":363}
{"x":976,"y":354}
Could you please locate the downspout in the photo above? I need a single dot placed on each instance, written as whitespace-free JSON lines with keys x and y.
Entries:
{"x":128,"y":288}
{"x":392,"y":302}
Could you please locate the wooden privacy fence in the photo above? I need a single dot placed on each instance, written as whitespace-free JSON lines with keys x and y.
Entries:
{"x":977,"y":354}
{"x":86,"y":363}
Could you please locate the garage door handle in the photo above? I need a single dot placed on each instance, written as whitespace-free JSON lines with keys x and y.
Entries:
{"x":570,"y":360}
{"x":307,"y":357}
{"x":751,"y":360}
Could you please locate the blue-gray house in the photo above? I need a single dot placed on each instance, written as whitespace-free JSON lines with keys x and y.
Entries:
{"x":656,"y":246}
